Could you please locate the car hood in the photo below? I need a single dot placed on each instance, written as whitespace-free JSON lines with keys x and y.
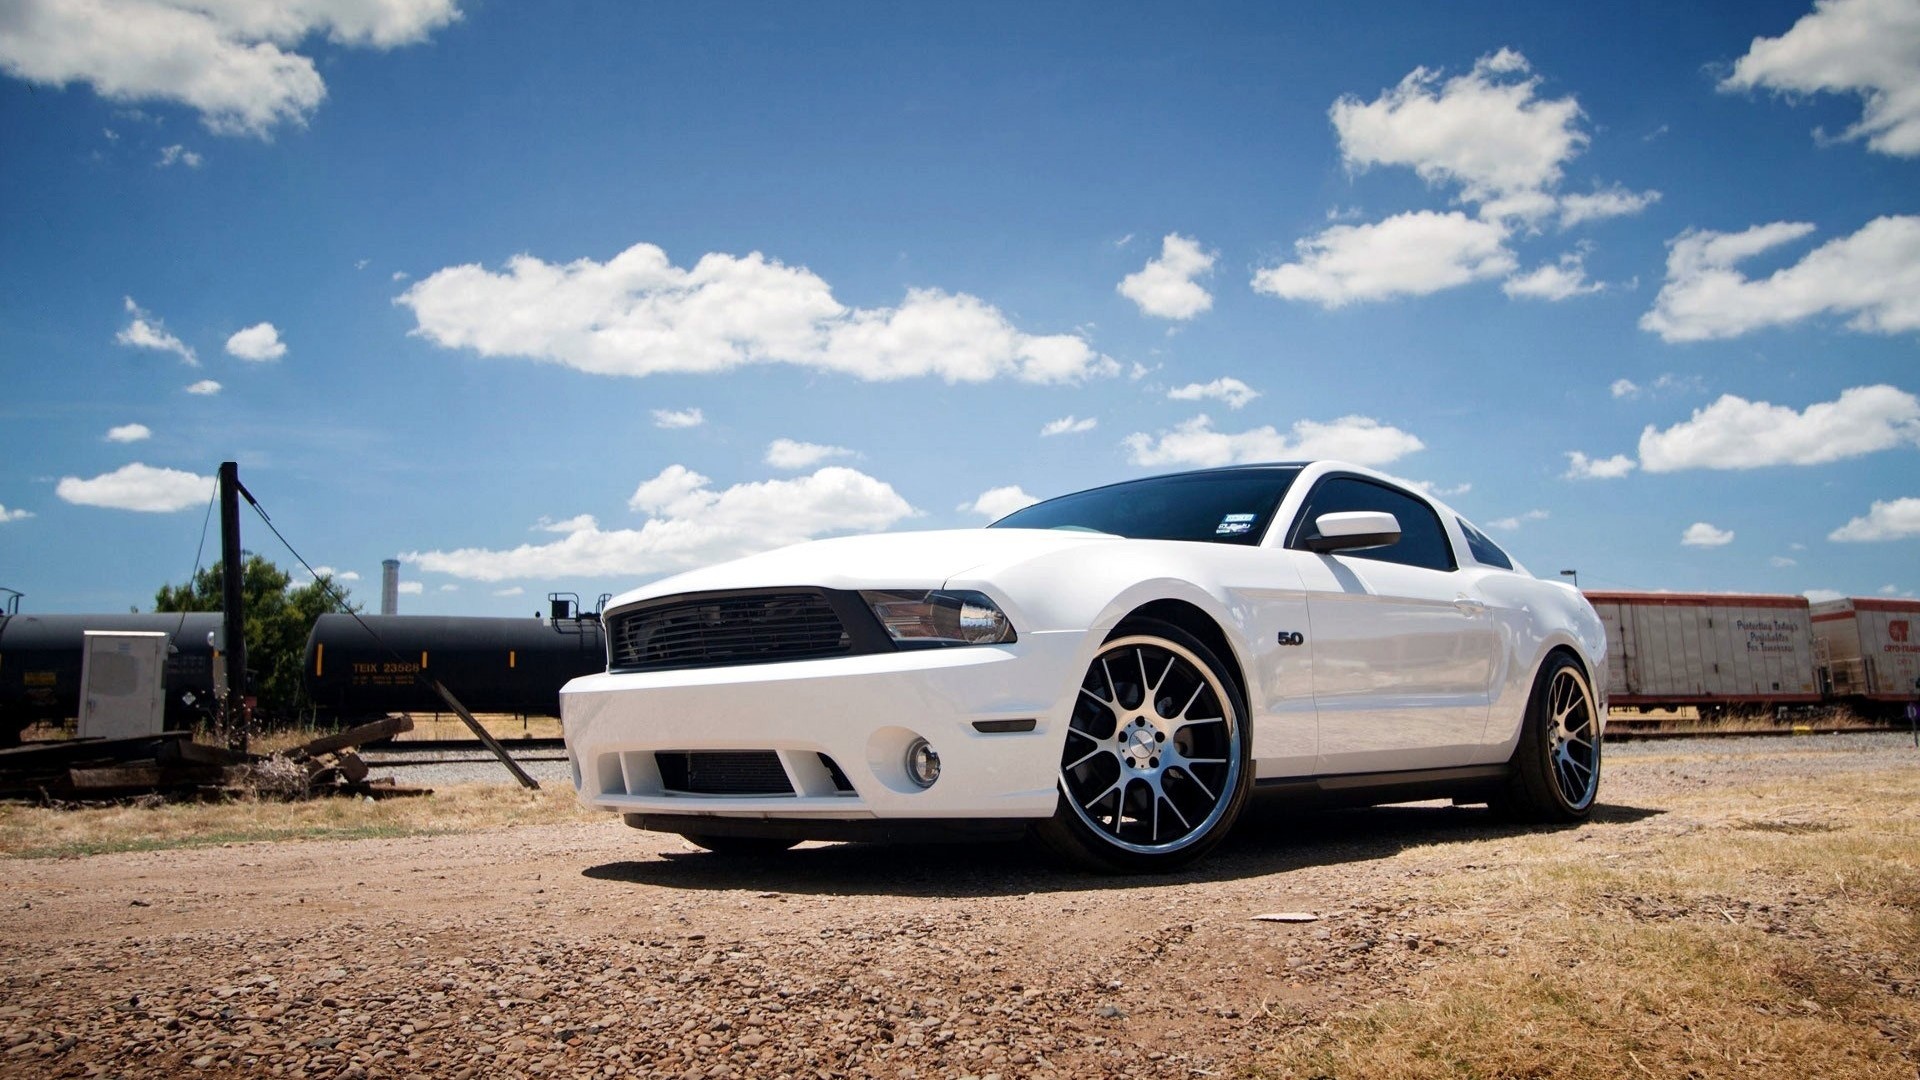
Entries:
{"x":909,"y":560}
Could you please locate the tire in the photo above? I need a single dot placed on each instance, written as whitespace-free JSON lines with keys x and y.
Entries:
{"x":1157,"y":761}
{"x":739,"y":847}
{"x":1556,"y":766}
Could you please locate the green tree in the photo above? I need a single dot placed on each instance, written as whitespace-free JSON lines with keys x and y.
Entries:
{"x":278,"y":619}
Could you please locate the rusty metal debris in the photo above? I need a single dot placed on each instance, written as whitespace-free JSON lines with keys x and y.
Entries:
{"x":171,"y":765}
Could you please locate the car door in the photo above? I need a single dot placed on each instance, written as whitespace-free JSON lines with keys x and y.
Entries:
{"x":1403,"y":656}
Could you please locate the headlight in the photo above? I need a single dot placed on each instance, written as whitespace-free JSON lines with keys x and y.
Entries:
{"x":930,"y":619}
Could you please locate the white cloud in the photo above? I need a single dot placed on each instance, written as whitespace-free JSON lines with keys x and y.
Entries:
{"x":228,"y":59}
{"x":177,"y":155}
{"x":637,"y":314}
{"x":1228,"y":389}
{"x":336,"y":575}
{"x":1358,"y":439}
{"x":1818,"y":596}
{"x":205,"y":388}
{"x":1667,"y":383}
{"x":1165,"y":287}
{"x":1582,"y":467}
{"x":449,"y":587}
{"x":259,"y":342}
{"x":1871,"y":277}
{"x":1734,"y":433}
{"x":1781,"y":562}
{"x":126,"y":433}
{"x":577,"y":523}
{"x":143,"y":331}
{"x":1553,"y":281}
{"x":996,"y":503}
{"x":678,"y":418}
{"x":789,"y":454}
{"x":511,"y":590}
{"x":401,"y":275}
{"x":1509,"y":524}
{"x":1069,"y":425}
{"x":410,"y":588}
{"x":1410,"y":254}
{"x":138,"y":487}
{"x":689,"y":524}
{"x":1896,"y":519}
{"x":1865,"y":47}
{"x":1701,"y":534}
{"x":7,"y":515}
{"x":1603,"y":203}
{"x":1485,"y":130}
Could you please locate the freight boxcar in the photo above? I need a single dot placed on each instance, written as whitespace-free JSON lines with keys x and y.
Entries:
{"x":1709,"y":650}
{"x":40,"y":658}
{"x":371,"y":665}
{"x":1869,"y":648}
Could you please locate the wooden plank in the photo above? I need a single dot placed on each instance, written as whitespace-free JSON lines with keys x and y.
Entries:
{"x":492,"y":744}
{"x":63,"y":754}
{"x":365,"y":733}
{"x":388,"y":791}
{"x":144,"y":776}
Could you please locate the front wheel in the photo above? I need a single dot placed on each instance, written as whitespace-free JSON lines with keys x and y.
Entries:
{"x":1157,"y":761}
{"x":1556,"y":767}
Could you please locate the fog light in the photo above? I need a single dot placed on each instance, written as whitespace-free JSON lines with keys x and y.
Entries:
{"x":923,"y":763}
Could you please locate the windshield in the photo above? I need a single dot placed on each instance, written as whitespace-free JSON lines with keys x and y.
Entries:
{"x":1232,"y":506}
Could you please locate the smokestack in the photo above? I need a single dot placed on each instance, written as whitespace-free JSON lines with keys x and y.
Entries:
{"x":389,"y":586}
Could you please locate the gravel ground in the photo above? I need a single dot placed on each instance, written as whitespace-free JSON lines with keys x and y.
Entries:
{"x":590,"y":949}
{"x":482,"y":768}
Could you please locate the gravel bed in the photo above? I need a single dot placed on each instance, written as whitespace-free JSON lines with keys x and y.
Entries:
{"x":481,"y":768}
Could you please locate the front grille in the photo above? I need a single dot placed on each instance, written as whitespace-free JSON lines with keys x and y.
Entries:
{"x":722,"y":772}
{"x":745,"y":628}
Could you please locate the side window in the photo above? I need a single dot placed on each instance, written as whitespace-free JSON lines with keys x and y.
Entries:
{"x":1423,"y":541}
{"x":1485,"y":552}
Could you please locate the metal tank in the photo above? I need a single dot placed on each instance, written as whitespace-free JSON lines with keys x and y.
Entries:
{"x":367,"y":667}
{"x":40,"y":658}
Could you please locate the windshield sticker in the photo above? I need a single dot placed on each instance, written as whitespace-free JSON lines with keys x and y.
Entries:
{"x":1233,"y":518}
{"x":1233,"y":528}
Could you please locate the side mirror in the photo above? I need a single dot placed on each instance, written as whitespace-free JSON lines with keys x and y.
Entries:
{"x":1352,"y":530}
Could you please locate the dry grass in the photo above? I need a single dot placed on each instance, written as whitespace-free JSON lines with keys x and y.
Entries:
{"x":1771,"y":933}
{"x":39,"y":832}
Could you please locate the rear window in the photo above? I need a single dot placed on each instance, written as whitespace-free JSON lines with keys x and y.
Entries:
{"x":1485,"y":551}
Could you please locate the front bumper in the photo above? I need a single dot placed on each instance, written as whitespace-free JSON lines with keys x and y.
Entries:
{"x":862,"y":712}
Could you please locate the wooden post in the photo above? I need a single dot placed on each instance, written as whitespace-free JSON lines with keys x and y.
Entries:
{"x":233,"y":713}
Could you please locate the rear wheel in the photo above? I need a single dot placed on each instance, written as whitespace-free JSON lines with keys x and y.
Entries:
{"x":1556,"y":767}
{"x":739,"y":846}
{"x":1157,"y":761}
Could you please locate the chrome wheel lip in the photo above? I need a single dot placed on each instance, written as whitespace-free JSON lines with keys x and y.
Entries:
{"x":1573,"y":738}
{"x":1121,"y":747}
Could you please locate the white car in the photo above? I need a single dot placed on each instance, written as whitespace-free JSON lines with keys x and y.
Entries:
{"x":1116,"y":671}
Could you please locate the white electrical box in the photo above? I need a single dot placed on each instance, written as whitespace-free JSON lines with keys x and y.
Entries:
{"x":123,"y":677}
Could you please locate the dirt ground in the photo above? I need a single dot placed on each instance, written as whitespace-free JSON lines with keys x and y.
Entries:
{"x":588,"y":948}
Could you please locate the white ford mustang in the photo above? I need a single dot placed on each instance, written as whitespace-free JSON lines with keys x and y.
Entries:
{"x":1116,"y":671}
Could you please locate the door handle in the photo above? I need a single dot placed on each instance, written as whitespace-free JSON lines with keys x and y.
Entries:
{"x":1469,"y":606}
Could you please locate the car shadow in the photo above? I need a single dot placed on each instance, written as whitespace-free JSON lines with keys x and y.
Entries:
{"x":1268,"y":840}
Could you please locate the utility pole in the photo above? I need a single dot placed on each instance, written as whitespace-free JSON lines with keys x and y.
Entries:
{"x":233,"y":711}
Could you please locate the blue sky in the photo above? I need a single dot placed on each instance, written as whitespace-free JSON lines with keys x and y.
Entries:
{"x":570,"y":296}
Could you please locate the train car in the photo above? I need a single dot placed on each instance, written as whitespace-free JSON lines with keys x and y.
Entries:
{"x":1869,"y":648}
{"x":40,"y":657}
{"x":367,"y":666}
{"x":1713,"y":651}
